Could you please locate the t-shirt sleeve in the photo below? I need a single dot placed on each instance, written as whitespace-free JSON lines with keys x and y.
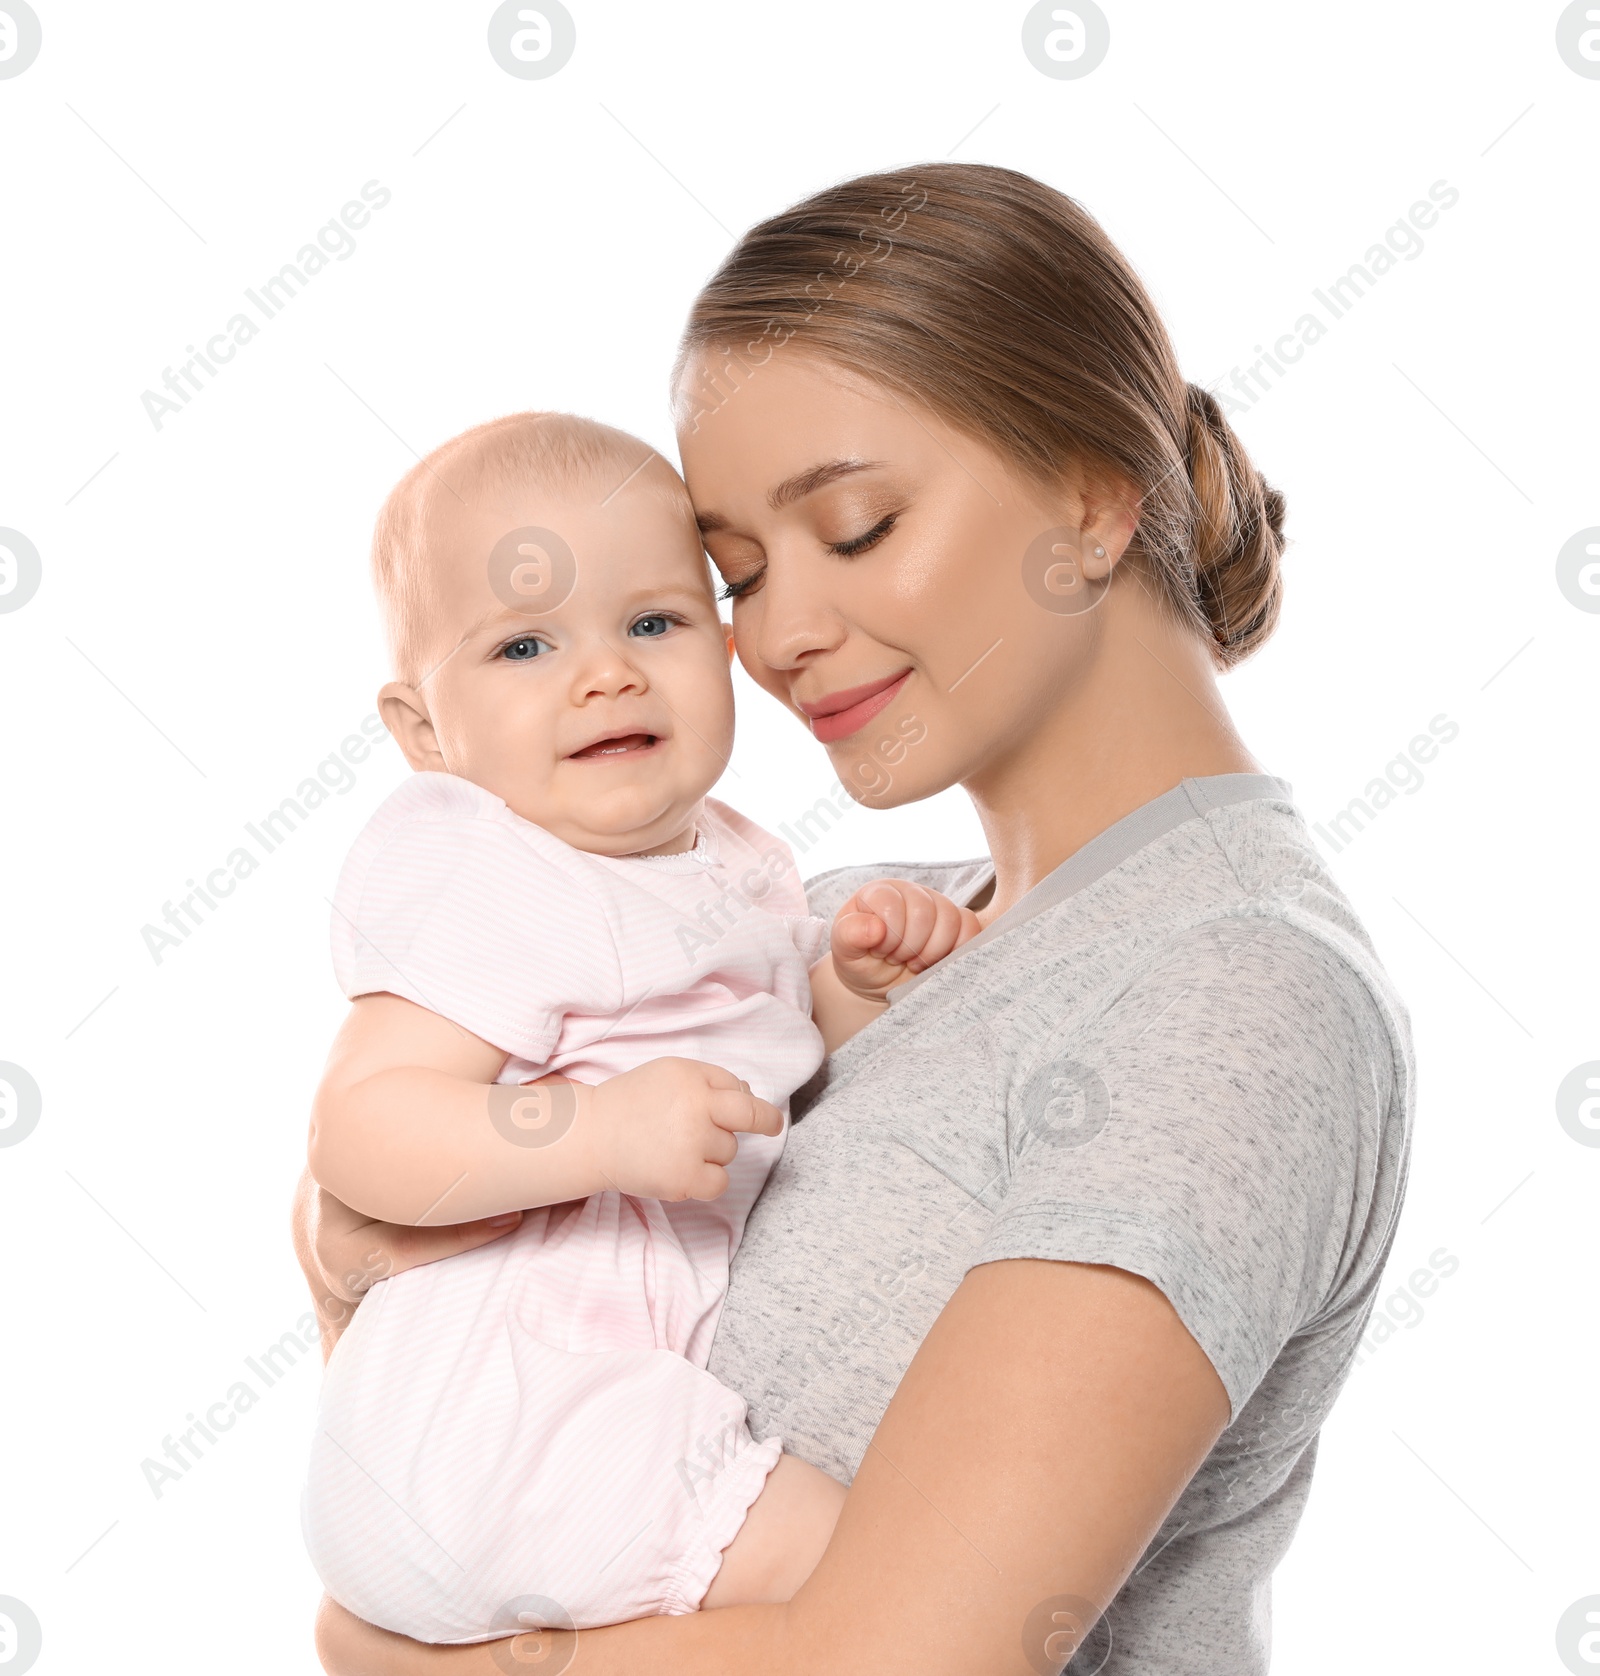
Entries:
{"x":463,"y":916}
{"x":1216,"y":1130}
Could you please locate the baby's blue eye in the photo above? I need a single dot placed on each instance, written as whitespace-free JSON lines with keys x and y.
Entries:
{"x":655,"y":624}
{"x":522,"y":651}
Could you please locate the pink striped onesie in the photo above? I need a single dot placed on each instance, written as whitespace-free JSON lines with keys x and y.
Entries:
{"x":526,"y":1433}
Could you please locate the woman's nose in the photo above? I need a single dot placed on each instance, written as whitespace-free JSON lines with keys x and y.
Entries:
{"x":796,"y":620}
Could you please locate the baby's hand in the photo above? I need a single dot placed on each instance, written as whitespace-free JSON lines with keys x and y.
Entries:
{"x":668,"y":1129}
{"x":892,"y":929}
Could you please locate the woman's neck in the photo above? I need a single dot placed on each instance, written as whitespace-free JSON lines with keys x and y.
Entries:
{"x":1145,"y":715}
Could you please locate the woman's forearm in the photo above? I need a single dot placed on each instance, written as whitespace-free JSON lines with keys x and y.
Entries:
{"x":735,"y":1641}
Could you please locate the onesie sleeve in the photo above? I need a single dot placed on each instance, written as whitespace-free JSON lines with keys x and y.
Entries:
{"x":450,"y":901}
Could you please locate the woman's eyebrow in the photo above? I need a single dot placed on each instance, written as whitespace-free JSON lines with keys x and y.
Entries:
{"x":813,"y":478}
{"x":795,"y":488}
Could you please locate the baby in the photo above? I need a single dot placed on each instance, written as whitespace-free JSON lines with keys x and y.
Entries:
{"x":583,"y":989}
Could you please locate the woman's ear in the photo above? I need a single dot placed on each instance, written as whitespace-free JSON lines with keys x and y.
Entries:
{"x":1110,"y":517}
{"x":405,"y":714}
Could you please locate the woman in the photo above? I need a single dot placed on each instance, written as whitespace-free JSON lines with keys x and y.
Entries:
{"x":1071,"y":1250}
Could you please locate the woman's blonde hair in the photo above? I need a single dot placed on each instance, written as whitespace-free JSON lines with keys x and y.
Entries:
{"x":1001,"y":304}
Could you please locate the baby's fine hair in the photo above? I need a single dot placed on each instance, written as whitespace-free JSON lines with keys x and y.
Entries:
{"x":557,"y":451}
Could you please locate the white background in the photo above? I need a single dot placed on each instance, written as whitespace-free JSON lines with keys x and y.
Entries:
{"x":203,"y":637}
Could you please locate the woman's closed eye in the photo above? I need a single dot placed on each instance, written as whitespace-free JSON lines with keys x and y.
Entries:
{"x":868,"y":538}
{"x":736,"y":589}
{"x":846,"y":549}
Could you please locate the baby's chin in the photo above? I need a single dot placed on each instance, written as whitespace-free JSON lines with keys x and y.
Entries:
{"x":623,"y":823}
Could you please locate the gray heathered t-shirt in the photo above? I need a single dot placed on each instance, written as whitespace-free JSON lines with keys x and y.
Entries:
{"x":1177,"y":1054}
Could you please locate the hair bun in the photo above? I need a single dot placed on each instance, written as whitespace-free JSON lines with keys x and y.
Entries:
{"x":1237,"y":537}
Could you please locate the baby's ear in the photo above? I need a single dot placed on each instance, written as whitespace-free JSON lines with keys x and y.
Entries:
{"x":727,"y":634}
{"x":405,"y":714}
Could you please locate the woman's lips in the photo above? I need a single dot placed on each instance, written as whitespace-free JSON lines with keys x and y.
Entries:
{"x":842,"y":713}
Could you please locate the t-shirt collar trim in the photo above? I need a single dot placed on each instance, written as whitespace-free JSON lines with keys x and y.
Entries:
{"x":1112,"y":847}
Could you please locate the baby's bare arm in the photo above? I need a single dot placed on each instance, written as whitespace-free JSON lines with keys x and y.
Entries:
{"x":408,"y":1125}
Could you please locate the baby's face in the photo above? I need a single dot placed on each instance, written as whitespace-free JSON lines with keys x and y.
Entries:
{"x":589,"y":686}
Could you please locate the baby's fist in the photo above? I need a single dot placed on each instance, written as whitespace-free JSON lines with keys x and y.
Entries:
{"x":891,"y":930}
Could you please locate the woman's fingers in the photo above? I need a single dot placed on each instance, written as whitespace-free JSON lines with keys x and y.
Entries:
{"x":354,"y":1252}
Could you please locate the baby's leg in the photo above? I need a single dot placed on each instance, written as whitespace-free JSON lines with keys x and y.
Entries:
{"x":782,"y":1537}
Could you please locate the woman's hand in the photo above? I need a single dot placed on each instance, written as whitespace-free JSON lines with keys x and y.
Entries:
{"x":342,"y":1253}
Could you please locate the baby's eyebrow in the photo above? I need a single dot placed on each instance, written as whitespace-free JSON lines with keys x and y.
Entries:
{"x":501,"y":616}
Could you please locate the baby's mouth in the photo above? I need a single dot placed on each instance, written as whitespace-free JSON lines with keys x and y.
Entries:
{"x":617,"y":745}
